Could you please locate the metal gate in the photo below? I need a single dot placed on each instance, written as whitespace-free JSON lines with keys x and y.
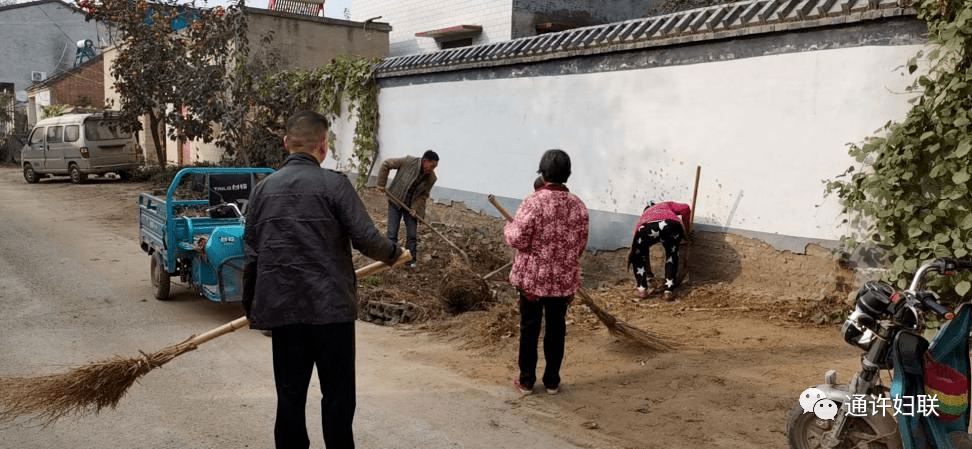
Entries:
{"x":13,"y":129}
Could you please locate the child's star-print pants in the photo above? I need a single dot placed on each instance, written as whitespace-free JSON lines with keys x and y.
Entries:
{"x":670,"y":234}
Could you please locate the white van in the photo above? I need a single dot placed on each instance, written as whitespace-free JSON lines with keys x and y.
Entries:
{"x":78,"y":145}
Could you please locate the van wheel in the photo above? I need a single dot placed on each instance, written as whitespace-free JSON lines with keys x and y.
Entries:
{"x":76,"y":176}
{"x":30,"y":175}
{"x":160,"y":278}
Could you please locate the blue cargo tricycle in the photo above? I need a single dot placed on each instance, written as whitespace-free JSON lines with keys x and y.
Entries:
{"x":196,"y":231}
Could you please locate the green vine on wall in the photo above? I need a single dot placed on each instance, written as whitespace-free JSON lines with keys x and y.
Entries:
{"x":354,"y":78}
{"x":913,"y":197}
{"x":272,"y":98}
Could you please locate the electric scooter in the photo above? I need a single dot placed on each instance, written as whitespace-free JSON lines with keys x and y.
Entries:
{"x":930,"y":377}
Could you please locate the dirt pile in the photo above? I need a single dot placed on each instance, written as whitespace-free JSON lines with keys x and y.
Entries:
{"x":728,"y":276}
{"x":462,"y":290}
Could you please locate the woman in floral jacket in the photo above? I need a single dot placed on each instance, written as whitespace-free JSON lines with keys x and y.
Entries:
{"x":549,"y":233}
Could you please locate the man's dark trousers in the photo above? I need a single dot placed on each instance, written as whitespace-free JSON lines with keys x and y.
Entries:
{"x":395,"y":216}
{"x":296,"y":349}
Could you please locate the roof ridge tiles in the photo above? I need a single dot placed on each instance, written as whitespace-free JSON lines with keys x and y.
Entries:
{"x":710,"y":22}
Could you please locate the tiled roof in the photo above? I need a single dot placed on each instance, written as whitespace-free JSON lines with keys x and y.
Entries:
{"x":714,"y":22}
{"x":61,"y":74}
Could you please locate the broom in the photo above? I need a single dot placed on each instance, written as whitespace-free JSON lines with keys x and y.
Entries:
{"x":95,"y":386}
{"x":686,"y":251}
{"x":647,"y":339}
{"x":624,"y":330}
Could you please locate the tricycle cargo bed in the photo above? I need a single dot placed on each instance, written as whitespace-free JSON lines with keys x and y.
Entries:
{"x":199,"y":240}
{"x":187,"y":229}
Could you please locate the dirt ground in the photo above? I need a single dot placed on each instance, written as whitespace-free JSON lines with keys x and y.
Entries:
{"x":756,"y":326}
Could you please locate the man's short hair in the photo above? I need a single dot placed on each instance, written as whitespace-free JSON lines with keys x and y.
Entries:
{"x":305,"y":129}
{"x":555,"y":166}
{"x":430,"y":156}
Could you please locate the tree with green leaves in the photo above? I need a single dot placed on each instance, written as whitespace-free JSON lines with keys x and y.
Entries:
{"x":913,"y":195}
{"x":172,"y":65}
{"x":200,"y":80}
{"x":257,"y":139}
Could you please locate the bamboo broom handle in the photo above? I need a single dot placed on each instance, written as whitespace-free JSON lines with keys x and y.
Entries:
{"x":491,"y":273}
{"x":501,"y":209}
{"x":224,"y":329}
{"x":421,"y":220}
{"x":240,"y":322}
{"x":505,"y":214}
{"x":695,"y":193}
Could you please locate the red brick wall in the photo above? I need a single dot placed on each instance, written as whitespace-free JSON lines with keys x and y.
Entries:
{"x":86,"y":87}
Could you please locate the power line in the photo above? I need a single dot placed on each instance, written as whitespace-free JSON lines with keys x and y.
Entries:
{"x":43,"y":10}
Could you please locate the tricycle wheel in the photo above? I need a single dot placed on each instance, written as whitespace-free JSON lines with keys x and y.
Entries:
{"x":160,"y":278}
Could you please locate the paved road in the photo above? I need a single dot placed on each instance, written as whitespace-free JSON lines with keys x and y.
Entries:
{"x":73,"y":291}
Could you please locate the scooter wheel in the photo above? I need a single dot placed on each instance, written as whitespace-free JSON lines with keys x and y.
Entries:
{"x":806,"y":431}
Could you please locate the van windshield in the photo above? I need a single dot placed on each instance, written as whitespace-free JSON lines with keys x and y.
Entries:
{"x":103,"y":130}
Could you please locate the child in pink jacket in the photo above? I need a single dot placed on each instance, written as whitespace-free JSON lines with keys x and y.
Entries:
{"x":666,"y":223}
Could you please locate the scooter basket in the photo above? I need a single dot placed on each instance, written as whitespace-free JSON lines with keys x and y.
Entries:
{"x":949,"y":385}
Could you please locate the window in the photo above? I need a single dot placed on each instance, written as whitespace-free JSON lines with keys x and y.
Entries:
{"x":54,"y":134}
{"x":455,"y":43}
{"x":454,"y":36}
{"x":37,"y":137}
{"x":102,"y":130}
{"x":71,"y":133}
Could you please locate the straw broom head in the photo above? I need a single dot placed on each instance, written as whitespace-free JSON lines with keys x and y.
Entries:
{"x":92,"y":387}
{"x":647,"y":339}
{"x":86,"y":389}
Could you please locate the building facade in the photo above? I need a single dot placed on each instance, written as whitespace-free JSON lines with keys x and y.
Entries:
{"x":296,"y":41}
{"x":83,"y":86}
{"x":307,"y":42}
{"x":420,"y":26}
{"x":40,"y":40}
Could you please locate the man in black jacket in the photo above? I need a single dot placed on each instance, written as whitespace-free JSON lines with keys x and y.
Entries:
{"x":299,"y":281}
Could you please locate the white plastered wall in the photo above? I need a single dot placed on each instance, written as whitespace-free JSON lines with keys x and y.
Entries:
{"x":766,"y":130}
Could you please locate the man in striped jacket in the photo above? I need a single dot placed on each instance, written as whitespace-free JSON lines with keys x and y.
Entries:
{"x":414,"y":178}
